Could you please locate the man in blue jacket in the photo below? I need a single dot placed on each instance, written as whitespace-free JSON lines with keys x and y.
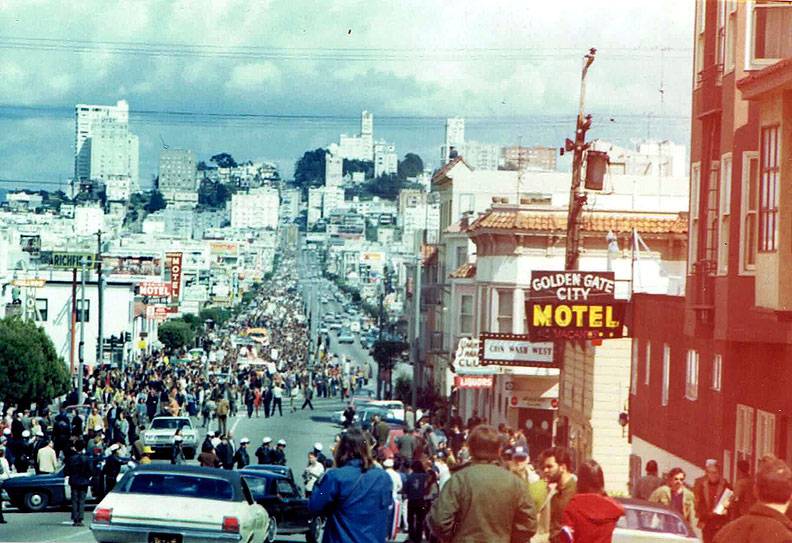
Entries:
{"x":355,"y":496}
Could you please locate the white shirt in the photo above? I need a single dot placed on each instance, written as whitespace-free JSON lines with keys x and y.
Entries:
{"x":397,"y":483}
{"x":443,"y":474}
{"x":312,"y":474}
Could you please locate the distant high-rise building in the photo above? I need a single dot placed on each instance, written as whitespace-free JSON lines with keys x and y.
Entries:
{"x":454,"y":136}
{"x":517,"y":157}
{"x":177,"y":176}
{"x":385,"y":158}
{"x":104,"y":149}
{"x":334,"y":167}
{"x":257,"y":209}
{"x":360,"y":147}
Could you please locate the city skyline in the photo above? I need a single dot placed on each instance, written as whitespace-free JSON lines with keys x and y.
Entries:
{"x":309,"y":87}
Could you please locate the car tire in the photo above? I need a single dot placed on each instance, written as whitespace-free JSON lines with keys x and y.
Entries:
{"x":272,"y":531}
{"x":35,"y":501}
{"x":315,"y":531}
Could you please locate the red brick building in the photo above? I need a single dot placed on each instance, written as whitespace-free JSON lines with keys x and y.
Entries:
{"x":712,"y":372}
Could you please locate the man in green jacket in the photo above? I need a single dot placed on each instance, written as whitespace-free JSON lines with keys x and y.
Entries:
{"x":483,"y":501}
{"x":556,"y":468}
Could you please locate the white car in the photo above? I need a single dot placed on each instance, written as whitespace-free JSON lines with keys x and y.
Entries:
{"x":159,"y":435}
{"x":345,"y":336}
{"x":646,"y":522}
{"x":160,"y":503}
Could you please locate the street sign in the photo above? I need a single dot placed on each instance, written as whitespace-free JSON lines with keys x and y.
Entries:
{"x":29,"y":283}
{"x":473,"y":381}
{"x":68,"y":261}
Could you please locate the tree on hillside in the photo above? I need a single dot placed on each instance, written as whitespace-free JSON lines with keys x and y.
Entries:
{"x":224,"y":160}
{"x":213,"y":194}
{"x":218,"y":315}
{"x":175,"y":335}
{"x":309,"y":171}
{"x":410,"y":166}
{"x":30,"y":369}
{"x":155,"y":202}
{"x":365,"y":166}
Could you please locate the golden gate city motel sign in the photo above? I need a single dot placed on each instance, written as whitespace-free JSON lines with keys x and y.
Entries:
{"x":574,"y":305}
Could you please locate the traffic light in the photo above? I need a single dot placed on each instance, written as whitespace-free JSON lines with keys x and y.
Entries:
{"x":127,"y":337}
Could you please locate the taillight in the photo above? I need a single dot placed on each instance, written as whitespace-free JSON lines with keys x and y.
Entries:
{"x":231,"y":524}
{"x":103,"y":514}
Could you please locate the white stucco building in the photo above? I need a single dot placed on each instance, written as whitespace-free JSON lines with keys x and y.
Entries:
{"x":257,"y":209}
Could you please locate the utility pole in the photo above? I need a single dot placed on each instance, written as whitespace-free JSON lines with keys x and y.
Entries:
{"x":82,"y":335}
{"x":577,"y":199}
{"x":100,"y":297}
{"x":417,"y":373}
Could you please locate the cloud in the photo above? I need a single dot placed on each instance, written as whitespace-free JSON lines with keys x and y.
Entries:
{"x":255,"y":77}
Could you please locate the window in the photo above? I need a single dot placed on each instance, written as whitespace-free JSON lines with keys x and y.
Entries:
{"x":692,"y":375}
{"x":724,"y":212}
{"x":484,"y":322}
{"x":505,"y":310}
{"x":713,"y":212}
{"x":765,"y":433}
{"x":83,"y":310}
{"x":743,"y":435}
{"x":695,"y":188}
{"x":466,"y":204}
{"x":634,"y":368}
{"x":666,"y":373}
{"x":461,"y":255}
{"x":768,"y":189}
{"x":717,"y":371}
{"x":748,"y":211}
{"x":648,"y":362}
{"x":41,"y":309}
{"x":770,"y":37}
{"x":466,"y":314}
{"x":727,"y":20}
{"x":701,"y":18}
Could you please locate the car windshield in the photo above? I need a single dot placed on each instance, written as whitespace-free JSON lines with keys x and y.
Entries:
{"x":169,"y":424}
{"x":182,"y":485}
{"x":652,"y":521}
{"x":257,"y":486}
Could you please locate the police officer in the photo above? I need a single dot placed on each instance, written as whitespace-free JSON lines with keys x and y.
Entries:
{"x":242,"y":457}
{"x":264,"y":453}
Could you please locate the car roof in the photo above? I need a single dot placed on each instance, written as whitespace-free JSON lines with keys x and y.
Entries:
{"x":264,"y":473}
{"x":169,"y":417}
{"x":635,"y":503}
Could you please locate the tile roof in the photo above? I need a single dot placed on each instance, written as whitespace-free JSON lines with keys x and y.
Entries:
{"x":465,"y":271}
{"x":645,"y":223}
{"x":442,"y":172}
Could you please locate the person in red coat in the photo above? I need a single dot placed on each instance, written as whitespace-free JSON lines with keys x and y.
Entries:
{"x":590,"y":516}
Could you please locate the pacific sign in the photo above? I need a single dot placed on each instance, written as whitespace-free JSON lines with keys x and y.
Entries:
{"x":574,"y":305}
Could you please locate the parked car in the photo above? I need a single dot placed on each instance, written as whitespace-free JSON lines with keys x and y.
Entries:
{"x":35,"y":493}
{"x":181,"y":504}
{"x":159,"y":435}
{"x":334,"y":326}
{"x":647,"y":522}
{"x":285,"y":503}
{"x":345,"y":336}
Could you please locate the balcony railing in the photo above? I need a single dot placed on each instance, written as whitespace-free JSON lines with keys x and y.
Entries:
{"x":704,"y":285}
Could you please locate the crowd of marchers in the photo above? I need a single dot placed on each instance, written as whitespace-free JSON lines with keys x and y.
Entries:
{"x":480,"y":485}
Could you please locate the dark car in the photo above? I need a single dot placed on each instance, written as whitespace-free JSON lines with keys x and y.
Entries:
{"x":35,"y":493}
{"x":283,"y":500}
{"x":284,"y":471}
{"x":647,"y":522}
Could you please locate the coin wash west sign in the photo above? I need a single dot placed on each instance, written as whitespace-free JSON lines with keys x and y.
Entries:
{"x":574,"y":305}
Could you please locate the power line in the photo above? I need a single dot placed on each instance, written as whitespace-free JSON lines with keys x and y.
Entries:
{"x":475,"y":54}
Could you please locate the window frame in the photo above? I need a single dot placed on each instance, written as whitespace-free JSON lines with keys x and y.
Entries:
{"x":743,"y":432}
{"x":717,"y":372}
{"x":765,"y":434}
{"x":666,"y":375}
{"x":724,"y":212}
{"x":752,"y":62}
{"x":463,"y":315}
{"x":695,"y":194}
{"x":634,"y":367}
{"x":501,"y":318}
{"x":692,"y":375}
{"x":648,"y":362}
{"x":769,"y":184}
{"x":749,"y":209}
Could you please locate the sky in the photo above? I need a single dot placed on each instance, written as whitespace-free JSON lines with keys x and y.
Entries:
{"x":268,"y":80}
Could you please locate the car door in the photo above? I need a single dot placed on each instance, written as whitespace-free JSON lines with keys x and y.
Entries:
{"x":293,"y":505}
{"x":251,"y":520}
